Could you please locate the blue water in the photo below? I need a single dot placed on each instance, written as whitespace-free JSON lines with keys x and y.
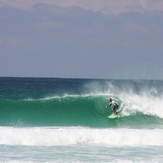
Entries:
{"x":66,"y":120}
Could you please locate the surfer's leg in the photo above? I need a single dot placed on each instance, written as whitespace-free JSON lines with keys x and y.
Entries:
{"x":114,"y":110}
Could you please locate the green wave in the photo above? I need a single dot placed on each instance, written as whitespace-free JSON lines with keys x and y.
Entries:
{"x":88,"y":110}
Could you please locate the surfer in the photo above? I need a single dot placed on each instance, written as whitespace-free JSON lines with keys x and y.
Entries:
{"x":114,"y":104}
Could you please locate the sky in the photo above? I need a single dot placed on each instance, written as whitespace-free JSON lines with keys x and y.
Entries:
{"x":106,"y":39}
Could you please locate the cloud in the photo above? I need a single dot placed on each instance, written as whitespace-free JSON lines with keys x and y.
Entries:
{"x":93,"y":27}
{"x":107,"y":7}
{"x":76,"y":42}
{"x":77,"y":24}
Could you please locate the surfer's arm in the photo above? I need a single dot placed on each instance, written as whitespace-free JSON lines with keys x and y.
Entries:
{"x":108,"y":105}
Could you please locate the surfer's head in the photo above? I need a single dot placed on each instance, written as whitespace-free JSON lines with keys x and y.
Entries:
{"x":110,"y":99}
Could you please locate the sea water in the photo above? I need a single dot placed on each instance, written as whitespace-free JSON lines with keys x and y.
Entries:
{"x":53,"y":120}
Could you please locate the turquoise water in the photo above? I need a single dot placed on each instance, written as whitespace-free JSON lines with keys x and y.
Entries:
{"x":65,"y":120}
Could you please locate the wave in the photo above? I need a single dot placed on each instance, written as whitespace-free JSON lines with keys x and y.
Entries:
{"x":81,"y":103}
{"x":82,"y":110}
{"x":61,"y":136}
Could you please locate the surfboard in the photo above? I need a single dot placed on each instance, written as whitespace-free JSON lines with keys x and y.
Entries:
{"x":112,"y":116}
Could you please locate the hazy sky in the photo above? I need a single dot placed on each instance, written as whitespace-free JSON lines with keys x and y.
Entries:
{"x":111,"y":39}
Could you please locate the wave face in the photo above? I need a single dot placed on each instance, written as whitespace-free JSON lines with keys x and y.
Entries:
{"x":80,"y":102}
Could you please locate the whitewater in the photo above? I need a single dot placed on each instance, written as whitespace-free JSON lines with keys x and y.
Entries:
{"x":61,"y":136}
{"x":66,"y":120}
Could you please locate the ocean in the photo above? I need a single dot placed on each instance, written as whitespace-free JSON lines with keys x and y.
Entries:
{"x":57,"y":120}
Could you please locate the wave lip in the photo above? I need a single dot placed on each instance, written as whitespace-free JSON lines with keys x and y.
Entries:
{"x":61,"y":136}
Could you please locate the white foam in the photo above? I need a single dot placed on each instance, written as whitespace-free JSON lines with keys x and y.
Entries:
{"x":144,"y":103}
{"x":147,"y":100}
{"x":115,"y":161}
{"x":60,"y":97}
{"x":59,"y":136}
